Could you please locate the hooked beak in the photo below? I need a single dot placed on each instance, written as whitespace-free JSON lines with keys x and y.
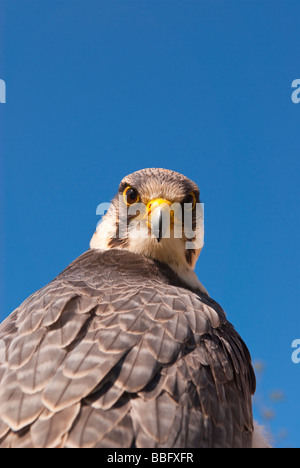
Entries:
{"x":159,"y":216}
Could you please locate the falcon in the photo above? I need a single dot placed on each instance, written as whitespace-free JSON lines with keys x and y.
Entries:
{"x":125,"y":348}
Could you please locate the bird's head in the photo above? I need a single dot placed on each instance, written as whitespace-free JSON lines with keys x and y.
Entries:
{"x":156,"y":213}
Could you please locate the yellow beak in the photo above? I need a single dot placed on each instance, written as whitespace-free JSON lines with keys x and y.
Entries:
{"x":159,"y":215}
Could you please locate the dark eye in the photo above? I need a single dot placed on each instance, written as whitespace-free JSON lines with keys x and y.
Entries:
{"x":130,"y":196}
{"x":191,"y":199}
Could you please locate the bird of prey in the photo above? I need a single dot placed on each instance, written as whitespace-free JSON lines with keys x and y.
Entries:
{"x":125,"y":348}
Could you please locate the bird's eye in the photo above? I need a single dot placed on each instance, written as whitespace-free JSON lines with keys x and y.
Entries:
{"x":191,"y":199}
{"x":130,"y":196}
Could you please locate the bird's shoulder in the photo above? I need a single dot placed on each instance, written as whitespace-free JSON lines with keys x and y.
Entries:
{"x":113,"y":326}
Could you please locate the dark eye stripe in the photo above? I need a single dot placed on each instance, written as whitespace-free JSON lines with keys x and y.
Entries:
{"x":190,"y":198}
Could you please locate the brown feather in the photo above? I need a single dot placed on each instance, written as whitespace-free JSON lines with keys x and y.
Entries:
{"x":118,"y":352}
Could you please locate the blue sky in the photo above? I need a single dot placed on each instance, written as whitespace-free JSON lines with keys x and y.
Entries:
{"x":99,"y":89}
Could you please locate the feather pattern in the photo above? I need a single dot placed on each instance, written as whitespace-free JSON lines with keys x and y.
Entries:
{"x":118,"y":352}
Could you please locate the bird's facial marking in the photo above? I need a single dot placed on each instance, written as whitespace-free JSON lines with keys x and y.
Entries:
{"x":156,"y":213}
{"x":189,"y":254}
{"x":190,"y":200}
{"x":153,"y":208}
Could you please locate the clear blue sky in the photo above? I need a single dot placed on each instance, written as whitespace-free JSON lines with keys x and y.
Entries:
{"x":98,"y":89}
